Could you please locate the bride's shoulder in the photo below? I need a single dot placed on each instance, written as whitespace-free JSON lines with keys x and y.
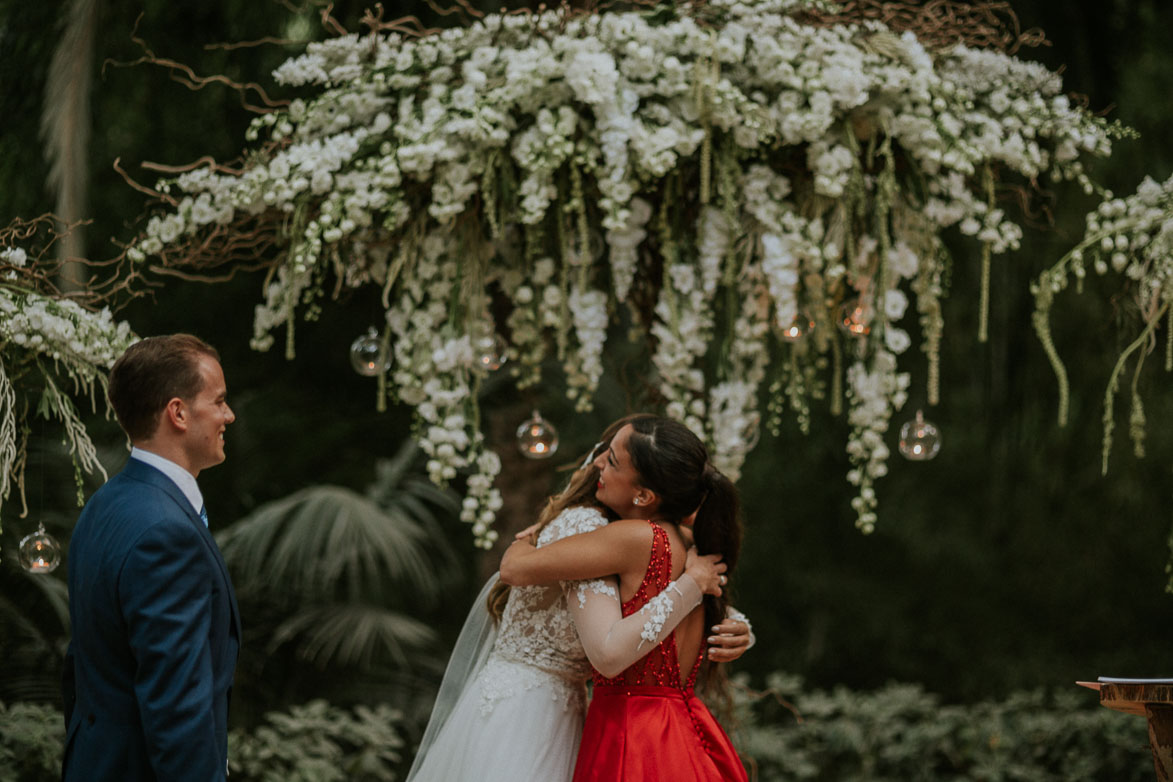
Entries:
{"x":572,"y":521}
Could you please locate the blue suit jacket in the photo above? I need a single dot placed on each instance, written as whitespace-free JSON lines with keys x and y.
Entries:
{"x":156,"y":632}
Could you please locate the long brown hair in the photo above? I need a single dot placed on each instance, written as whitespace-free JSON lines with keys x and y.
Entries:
{"x":579,"y":492}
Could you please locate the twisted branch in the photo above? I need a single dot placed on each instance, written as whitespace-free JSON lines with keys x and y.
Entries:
{"x":938,"y":24}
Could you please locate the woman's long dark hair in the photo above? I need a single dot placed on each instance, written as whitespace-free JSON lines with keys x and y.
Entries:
{"x":672,"y":462}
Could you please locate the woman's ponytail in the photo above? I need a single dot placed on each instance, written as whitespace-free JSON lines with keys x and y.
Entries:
{"x":717,"y":530}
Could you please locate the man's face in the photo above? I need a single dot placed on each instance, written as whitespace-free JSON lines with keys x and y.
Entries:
{"x":209,"y":415}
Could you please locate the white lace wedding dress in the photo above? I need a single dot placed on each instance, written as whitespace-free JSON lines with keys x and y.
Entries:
{"x":512,"y":702}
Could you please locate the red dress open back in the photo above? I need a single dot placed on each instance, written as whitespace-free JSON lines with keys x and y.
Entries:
{"x":647,"y":724}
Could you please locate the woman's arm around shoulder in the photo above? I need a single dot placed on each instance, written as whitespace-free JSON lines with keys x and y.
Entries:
{"x":619,"y":547}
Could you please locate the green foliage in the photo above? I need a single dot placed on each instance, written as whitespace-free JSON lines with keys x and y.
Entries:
{"x":900,"y":733}
{"x":313,"y":742}
{"x":317,"y":742}
{"x":332,"y":584}
{"x":31,"y":738}
{"x":34,"y":620}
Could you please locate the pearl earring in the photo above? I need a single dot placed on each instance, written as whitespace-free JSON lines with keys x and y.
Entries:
{"x":637,"y":501}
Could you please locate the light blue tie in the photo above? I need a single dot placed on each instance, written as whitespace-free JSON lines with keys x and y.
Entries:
{"x":204,"y":515}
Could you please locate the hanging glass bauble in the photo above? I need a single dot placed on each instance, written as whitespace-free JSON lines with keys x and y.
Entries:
{"x":798,"y":328}
{"x":919,"y":439}
{"x":855,"y":318}
{"x":40,"y":552}
{"x":537,"y":438}
{"x":750,"y":431}
{"x":367,"y":355}
{"x":490,"y":351}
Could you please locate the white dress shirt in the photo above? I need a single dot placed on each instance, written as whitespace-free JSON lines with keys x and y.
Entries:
{"x":179,"y":476}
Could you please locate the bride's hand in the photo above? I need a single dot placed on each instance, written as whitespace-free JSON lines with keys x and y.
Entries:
{"x":729,"y":641}
{"x":707,"y":571}
{"x":528,"y":534}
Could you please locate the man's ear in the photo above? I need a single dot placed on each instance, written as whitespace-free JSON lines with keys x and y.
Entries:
{"x":176,"y":414}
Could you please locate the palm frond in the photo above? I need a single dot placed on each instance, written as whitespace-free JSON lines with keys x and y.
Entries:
{"x":355,"y":634}
{"x":326,"y":538}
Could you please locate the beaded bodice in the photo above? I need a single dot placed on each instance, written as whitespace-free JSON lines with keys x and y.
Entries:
{"x":661,"y":666}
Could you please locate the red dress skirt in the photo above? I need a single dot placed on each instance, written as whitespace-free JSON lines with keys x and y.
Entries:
{"x":645,"y":724}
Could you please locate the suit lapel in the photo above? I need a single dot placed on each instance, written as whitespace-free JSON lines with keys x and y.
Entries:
{"x":138,"y":470}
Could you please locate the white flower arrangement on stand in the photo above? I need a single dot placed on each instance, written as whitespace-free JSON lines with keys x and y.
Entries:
{"x":722,"y":168}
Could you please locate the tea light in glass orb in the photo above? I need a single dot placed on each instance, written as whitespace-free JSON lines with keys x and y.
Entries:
{"x":920,"y":440}
{"x":798,"y":328}
{"x":537,"y":438}
{"x":855,"y":318}
{"x":490,"y":351}
{"x":367,"y":355}
{"x":40,"y":552}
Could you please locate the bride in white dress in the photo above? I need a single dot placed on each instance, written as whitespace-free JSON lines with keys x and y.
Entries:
{"x":511,"y":706}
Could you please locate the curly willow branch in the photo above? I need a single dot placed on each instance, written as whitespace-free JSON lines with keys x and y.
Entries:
{"x":938,"y":24}
{"x":39,"y":236}
{"x":184,"y":75}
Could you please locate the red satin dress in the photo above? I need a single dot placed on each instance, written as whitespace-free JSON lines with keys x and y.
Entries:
{"x":645,"y":724}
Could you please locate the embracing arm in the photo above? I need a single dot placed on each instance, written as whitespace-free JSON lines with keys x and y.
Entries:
{"x":618,"y":548}
{"x":166,"y":586}
{"x":613,"y":642}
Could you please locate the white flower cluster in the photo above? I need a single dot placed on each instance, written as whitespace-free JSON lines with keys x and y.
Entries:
{"x":875,"y":394}
{"x":60,"y":342}
{"x":584,"y":366}
{"x":684,"y":321}
{"x":734,"y":422}
{"x":1131,"y":237}
{"x":85,"y":342}
{"x":13,"y":256}
{"x":433,"y":370}
{"x":757,"y":159}
{"x":623,"y":244}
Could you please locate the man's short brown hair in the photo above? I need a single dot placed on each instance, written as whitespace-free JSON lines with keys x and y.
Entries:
{"x":152,"y":372}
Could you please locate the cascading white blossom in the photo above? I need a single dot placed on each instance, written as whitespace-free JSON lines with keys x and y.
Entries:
{"x":765,"y":171}
{"x":68,"y":350}
{"x":1130,"y":241}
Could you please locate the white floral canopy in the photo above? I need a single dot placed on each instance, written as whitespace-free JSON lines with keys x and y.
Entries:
{"x":757,"y":191}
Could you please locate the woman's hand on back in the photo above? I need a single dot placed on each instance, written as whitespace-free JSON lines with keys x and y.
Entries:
{"x":706,"y":570}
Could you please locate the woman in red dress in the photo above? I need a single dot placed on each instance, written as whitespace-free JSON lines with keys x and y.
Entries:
{"x":645,"y":722}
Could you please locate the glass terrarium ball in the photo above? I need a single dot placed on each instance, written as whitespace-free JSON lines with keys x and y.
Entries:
{"x":537,"y":438}
{"x":855,"y":318}
{"x":920,"y":440}
{"x":367,"y":355}
{"x":490,"y":351}
{"x":40,"y":552}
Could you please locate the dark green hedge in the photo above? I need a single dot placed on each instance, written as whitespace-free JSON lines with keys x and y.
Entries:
{"x":898,"y":733}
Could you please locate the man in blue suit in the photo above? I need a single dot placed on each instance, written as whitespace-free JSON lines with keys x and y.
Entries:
{"x":154,"y":619}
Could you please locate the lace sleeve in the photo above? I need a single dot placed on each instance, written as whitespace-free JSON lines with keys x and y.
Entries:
{"x":737,"y":616}
{"x":613,"y":642}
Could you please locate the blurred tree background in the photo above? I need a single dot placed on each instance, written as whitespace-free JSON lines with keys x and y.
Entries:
{"x":1006,"y":563}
